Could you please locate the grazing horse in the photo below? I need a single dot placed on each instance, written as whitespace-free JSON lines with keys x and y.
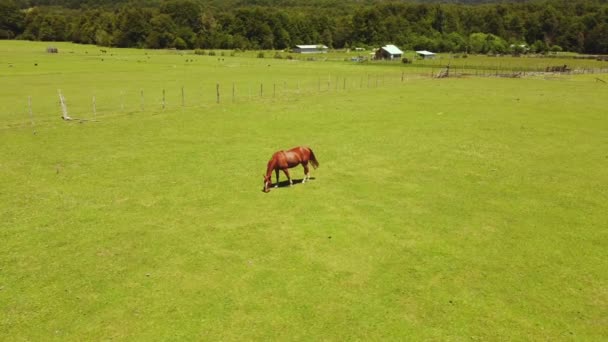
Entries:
{"x":283,"y":160}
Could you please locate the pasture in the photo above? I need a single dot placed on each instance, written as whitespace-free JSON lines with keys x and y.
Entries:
{"x":443,"y":209}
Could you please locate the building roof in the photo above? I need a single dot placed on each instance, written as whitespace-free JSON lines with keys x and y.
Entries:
{"x":425,"y":53}
{"x":392,"y":49}
{"x":321,"y":46}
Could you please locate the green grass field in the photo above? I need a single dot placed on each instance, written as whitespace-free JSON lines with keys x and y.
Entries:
{"x":443,"y":209}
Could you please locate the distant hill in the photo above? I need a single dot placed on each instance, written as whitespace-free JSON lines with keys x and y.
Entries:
{"x":467,"y":26}
{"x":244,"y":3}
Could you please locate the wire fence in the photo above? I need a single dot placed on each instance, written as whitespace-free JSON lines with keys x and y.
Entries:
{"x":101,"y":104}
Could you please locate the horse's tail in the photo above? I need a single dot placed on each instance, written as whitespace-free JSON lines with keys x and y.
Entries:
{"x":313,"y":160}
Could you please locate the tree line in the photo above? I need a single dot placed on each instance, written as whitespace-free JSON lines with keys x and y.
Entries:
{"x":537,"y":26}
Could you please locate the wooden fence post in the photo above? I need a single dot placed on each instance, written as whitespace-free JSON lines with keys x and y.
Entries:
{"x":29,"y":106}
{"x":217,"y":90}
{"x":64,"y":107}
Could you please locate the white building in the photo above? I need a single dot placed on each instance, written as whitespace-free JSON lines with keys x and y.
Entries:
{"x":426,"y":54}
{"x":320,"y":48}
{"x":389,"y":52}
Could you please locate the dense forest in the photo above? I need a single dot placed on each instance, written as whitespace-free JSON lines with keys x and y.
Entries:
{"x":474,"y":26}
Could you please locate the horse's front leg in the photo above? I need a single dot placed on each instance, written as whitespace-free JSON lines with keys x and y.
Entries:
{"x":306,"y":173}
{"x":286,"y":171}
{"x":276,"y":172}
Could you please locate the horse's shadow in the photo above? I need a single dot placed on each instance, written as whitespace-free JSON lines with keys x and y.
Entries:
{"x":285,"y":183}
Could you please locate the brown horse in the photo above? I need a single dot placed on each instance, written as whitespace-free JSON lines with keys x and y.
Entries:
{"x":283,"y":160}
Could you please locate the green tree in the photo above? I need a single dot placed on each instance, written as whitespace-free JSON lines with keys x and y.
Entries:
{"x":477,"y":42}
{"x":486,"y":43}
{"x":453,"y":42}
{"x":493,"y":20}
{"x":162,"y":32}
{"x":556,"y":49}
{"x":185,"y":13}
{"x":438,"y":19}
{"x":538,"y":46}
{"x":514,"y":27}
{"x":132,"y":27}
{"x":550,"y":20}
{"x":179,"y":43}
{"x":597,"y":39}
{"x":187,"y":35}
{"x":12,"y":20}
{"x":367,"y":25}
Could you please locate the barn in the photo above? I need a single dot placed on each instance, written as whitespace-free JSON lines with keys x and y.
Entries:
{"x":389,"y":52}
{"x":320,"y":48}
{"x":425,"y":54}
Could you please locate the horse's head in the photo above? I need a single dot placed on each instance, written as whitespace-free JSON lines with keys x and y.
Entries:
{"x":267,"y":183}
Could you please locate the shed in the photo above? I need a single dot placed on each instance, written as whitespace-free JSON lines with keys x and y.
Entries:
{"x":388,"y":52}
{"x":320,"y":48}
{"x":425,"y":54}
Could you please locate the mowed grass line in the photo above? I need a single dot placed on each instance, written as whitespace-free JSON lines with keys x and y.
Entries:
{"x":443,"y":209}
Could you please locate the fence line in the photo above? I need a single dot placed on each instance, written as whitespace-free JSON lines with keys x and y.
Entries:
{"x":301,"y":87}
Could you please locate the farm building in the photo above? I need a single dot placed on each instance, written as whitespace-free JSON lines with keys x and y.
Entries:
{"x":388,"y":52}
{"x":425,"y":54}
{"x":310,"y":49}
